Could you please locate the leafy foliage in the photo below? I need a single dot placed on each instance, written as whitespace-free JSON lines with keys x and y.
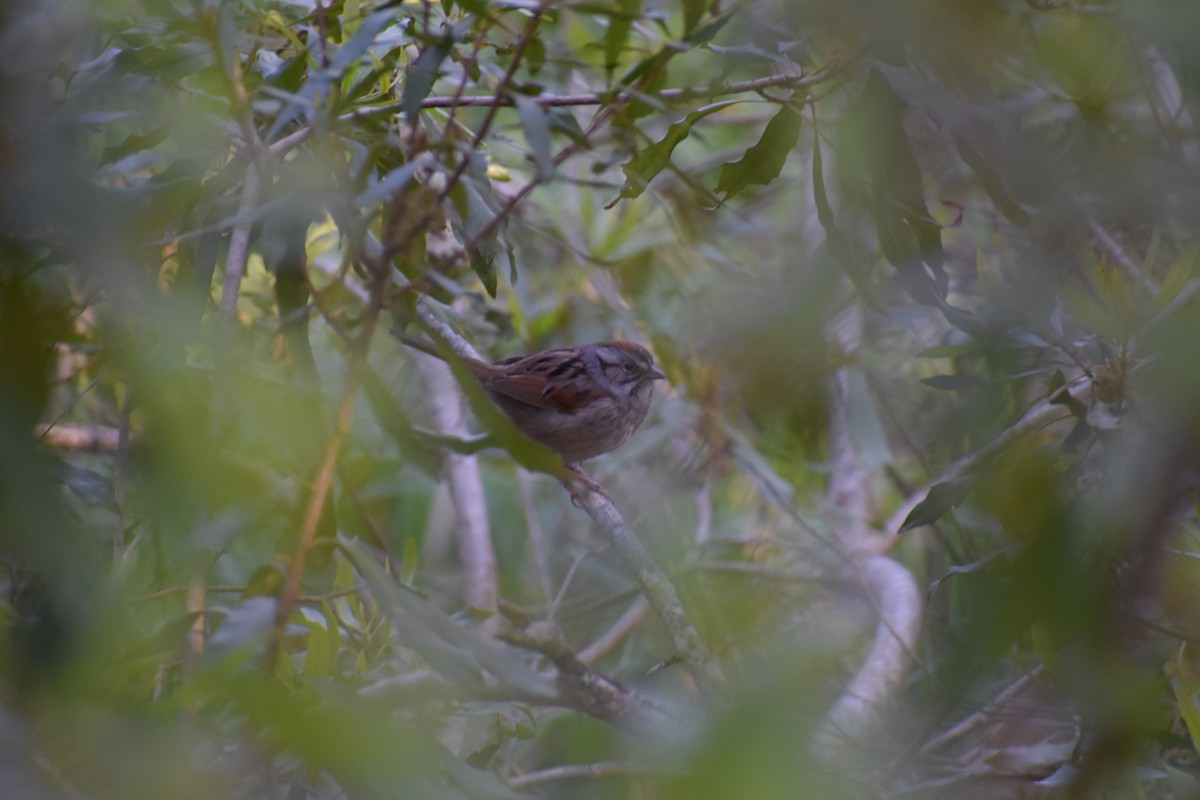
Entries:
{"x":911,"y":268}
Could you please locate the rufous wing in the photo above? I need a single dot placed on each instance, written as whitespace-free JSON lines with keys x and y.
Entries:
{"x":536,"y":390}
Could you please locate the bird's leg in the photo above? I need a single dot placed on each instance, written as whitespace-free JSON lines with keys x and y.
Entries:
{"x":576,"y":476}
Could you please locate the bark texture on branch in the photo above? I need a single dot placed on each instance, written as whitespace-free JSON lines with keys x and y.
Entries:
{"x":888,"y":585}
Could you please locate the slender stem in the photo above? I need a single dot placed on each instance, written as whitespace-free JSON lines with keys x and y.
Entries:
{"x":290,"y":595}
{"x":120,"y":476}
{"x":659,"y":591}
{"x":501,"y":91}
{"x":596,"y":98}
{"x":560,"y":101}
{"x":600,"y":769}
{"x":617,"y":633}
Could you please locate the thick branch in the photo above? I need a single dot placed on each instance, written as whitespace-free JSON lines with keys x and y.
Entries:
{"x":889,"y":586}
{"x":472,"y":531}
{"x":895,"y":595}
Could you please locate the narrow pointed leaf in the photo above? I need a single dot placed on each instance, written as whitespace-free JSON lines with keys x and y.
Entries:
{"x":763,"y":162}
{"x":942,"y":497}
{"x":651,"y":160}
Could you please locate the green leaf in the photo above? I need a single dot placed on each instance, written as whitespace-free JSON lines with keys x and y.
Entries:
{"x":483,"y":263}
{"x":525,"y":451}
{"x":563,"y":121}
{"x":351,"y":16}
{"x":458,"y":654}
{"x":536,"y":125}
{"x":323,"y":643}
{"x":476,"y":783}
{"x":693,"y":11}
{"x":876,"y":154}
{"x":389,"y":184}
{"x":353,"y":738}
{"x":619,"y":25}
{"x":942,"y":498}
{"x":705,"y":34}
{"x":964,"y":569}
{"x":474,"y":206}
{"x":764,"y":160}
{"x":1187,"y":695}
{"x":410,"y":561}
{"x":392,"y":419}
{"x":1181,"y":273}
{"x":651,"y":160}
{"x":419,"y":79}
{"x":350,"y":52}
{"x":535,"y":55}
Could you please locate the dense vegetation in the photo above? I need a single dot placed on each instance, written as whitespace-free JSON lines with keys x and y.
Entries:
{"x":915,"y":515}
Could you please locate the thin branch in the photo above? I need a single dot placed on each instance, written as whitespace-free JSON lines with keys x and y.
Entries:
{"x":620,"y":630}
{"x":1038,"y":415}
{"x":596,"y":99}
{"x":286,"y":143}
{"x":239,"y":246}
{"x":450,"y":336}
{"x":600,"y":769}
{"x":556,"y":602}
{"x":537,"y":536}
{"x":323,"y":482}
{"x":982,"y":715}
{"x":659,"y":591}
{"x":704,"y":514}
{"x":753,"y":570}
{"x":44,"y":431}
{"x":584,"y":688}
{"x":88,"y":438}
{"x":607,"y":113}
{"x":195,"y":601}
{"x":1120,"y":257}
{"x":239,"y":239}
{"x":121,"y":475}
{"x":501,"y":91}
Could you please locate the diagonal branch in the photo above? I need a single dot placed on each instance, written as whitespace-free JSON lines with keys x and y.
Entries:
{"x":585,"y":689}
{"x":323,"y":481}
{"x":889,"y":586}
{"x":659,"y":591}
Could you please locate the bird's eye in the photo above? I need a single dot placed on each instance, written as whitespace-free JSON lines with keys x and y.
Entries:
{"x":628,"y":367}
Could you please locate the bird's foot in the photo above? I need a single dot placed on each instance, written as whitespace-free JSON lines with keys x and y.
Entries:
{"x":577,"y":477}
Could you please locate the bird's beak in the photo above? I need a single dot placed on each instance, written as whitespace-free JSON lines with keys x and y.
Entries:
{"x":657,"y":374}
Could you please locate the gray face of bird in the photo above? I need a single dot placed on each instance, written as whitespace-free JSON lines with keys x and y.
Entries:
{"x":628,"y":366}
